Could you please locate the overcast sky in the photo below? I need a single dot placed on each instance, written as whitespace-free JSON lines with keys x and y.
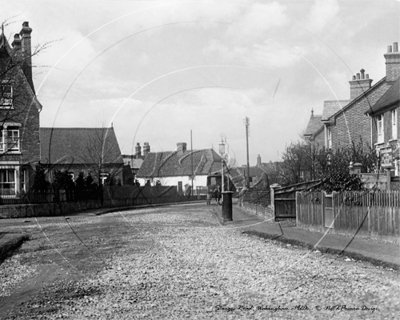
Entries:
{"x":158,"y":69}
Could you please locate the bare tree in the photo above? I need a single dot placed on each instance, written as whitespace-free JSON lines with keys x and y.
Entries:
{"x":101,"y":153}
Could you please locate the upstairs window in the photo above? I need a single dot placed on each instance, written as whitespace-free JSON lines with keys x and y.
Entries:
{"x":10,"y":139}
{"x":379,"y":122}
{"x":13,"y":139}
{"x":394,"y":123}
{"x":6,"y":96}
{"x":329,"y":137}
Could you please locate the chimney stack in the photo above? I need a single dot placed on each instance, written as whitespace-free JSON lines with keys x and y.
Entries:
{"x":359,"y":84}
{"x":146,"y":149}
{"x":138,"y":151}
{"x":392,"y":62}
{"x":27,"y":52}
{"x":258,"y":161}
{"x":181,"y":147}
{"x":16,"y":44}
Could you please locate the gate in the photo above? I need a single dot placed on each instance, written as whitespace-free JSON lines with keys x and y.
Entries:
{"x":284,"y":199}
{"x":329,"y":214}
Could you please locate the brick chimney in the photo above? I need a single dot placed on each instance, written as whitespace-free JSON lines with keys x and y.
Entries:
{"x":359,"y":84}
{"x":138,"y":151}
{"x":392,"y":62}
{"x":27,"y":51}
{"x":181,"y":147}
{"x":146,"y":149}
{"x":16,"y":44}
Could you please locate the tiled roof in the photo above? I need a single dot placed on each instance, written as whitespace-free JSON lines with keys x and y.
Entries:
{"x":79,"y":146}
{"x":174,"y":163}
{"x":391,"y":97}
{"x":314,"y":125}
{"x":331,"y":107}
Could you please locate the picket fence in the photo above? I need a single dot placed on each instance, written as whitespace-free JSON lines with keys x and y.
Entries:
{"x":367,"y":213}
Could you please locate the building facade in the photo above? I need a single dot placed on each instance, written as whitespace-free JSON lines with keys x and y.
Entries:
{"x":19,"y":115}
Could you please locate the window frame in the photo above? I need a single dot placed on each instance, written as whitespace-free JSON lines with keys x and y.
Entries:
{"x":329,"y":137}
{"x":6,"y":181}
{"x":395,"y":132}
{"x":15,"y":143}
{"x":380,"y":129}
{"x":6,"y":102}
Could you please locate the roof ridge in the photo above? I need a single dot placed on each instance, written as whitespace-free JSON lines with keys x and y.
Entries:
{"x":362,"y":95}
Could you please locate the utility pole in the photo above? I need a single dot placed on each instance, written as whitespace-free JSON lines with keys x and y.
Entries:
{"x":191,"y":150}
{"x":247,"y":124}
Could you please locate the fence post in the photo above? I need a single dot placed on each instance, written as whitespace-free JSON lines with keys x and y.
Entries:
{"x":297,"y":207}
{"x":272,"y":195}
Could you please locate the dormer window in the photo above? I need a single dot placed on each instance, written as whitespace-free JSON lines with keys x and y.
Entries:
{"x":6,"y":96}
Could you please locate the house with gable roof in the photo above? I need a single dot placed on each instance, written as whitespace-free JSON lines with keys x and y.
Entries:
{"x":175,"y":168}
{"x":314,"y":132}
{"x":19,"y":114}
{"x":385,"y":128}
{"x":346,"y":121}
{"x":93,"y":151}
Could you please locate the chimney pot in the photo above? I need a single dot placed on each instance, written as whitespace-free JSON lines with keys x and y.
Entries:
{"x":389,"y":49}
{"x":354,"y":77}
{"x":367,"y":76}
{"x":358,"y":76}
{"x":362,"y":73}
{"x":395,"y":47}
{"x":25,"y":24}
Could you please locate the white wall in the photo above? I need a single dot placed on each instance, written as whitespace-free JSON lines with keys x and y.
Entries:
{"x":199,"y":181}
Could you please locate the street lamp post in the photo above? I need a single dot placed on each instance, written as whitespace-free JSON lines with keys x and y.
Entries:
{"x":226,"y":195}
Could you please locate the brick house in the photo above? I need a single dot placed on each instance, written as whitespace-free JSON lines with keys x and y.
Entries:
{"x":93,"y":151}
{"x":384,"y":117}
{"x":19,"y":114}
{"x":345,"y":121}
{"x":175,"y":168}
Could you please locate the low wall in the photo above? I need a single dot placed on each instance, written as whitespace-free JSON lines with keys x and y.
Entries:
{"x":46,"y":209}
{"x":65,"y":208}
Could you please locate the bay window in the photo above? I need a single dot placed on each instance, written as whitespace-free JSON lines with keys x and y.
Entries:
{"x":7,"y":181}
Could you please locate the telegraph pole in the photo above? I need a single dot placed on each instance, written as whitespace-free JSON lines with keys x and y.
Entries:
{"x":247,"y":124}
{"x":191,"y":150}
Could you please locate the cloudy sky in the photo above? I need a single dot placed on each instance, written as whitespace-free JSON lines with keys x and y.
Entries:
{"x":157,"y":69}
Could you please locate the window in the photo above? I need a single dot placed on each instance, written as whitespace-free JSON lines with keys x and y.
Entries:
{"x":379,"y":120}
{"x":6,"y":96}
{"x":7,"y":181}
{"x":394,"y":123}
{"x":12,"y":139}
{"x":1,"y":140}
{"x":329,"y":137}
{"x":23,"y":180}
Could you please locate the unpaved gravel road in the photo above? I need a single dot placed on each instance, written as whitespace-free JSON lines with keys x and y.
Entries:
{"x":180,"y":263}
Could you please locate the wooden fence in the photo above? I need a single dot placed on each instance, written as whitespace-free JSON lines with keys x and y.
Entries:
{"x":367,"y":213}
